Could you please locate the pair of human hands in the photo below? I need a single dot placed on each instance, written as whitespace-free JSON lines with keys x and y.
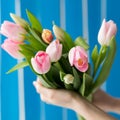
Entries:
{"x":64,"y":98}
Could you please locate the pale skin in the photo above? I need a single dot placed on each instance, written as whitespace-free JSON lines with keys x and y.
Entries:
{"x":102,"y":102}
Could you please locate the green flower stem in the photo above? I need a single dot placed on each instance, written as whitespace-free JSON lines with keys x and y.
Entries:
{"x":106,"y":66}
{"x":58,"y":66}
{"x":100,"y":59}
{"x":45,"y":82}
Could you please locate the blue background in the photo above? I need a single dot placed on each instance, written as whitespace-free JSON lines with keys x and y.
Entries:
{"x":78,"y":18}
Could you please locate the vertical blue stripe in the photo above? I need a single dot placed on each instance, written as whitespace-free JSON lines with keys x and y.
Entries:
{"x":113,"y":82}
{"x":20,"y":75}
{"x":64,"y":114}
{"x":94,"y":17}
{"x":85,"y":29}
{"x":103,"y":16}
{"x":0,"y":66}
{"x":9,"y":83}
{"x":103,"y":9}
{"x":62,"y":14}
{"x":85,"y":20}
{"x":63,"y":25}
{"x":42,"y":113}
{"x":74,"y":18}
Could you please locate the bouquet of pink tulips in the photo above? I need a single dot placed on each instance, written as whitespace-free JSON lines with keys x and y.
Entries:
{"x":57,"y":59}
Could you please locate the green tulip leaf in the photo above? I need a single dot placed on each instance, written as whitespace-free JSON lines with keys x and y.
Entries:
{"x":95,"y":54}
{"x":82,"y":88}
{"x":98,"y":59}
{"x":106,"y":66}
{"x":26,"y":50}
{"x":37,"y":37}
{"x":34,"y":21}
{"x":65,"y":65}
{"x":79,"y":41}
{"x":18,"y":66}
{"x":35,"y":44}
{"x":62,"y":74}
{"x":86,"y":84}
{"x":77,"y":81}
{"x":45,"y":82}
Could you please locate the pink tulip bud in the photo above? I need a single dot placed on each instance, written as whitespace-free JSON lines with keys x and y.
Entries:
{"x":106,"y":32}
{"x":54,"y":50}
{"x":12,"y":31}
{"x":78,"y":57}
{"x":12,"y":48}
{"x":47,"y":36}
{"x":41,"y":62}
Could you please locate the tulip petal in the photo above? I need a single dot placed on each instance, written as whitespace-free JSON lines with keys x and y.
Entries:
{"x":78,"y":57}
{"x":12,"y":48}
{"x":106,"y":32}
{"x":54,"y":50}
{"x":16,"y":33}
{"x":71,"y":56}
{"x":41,"y":62}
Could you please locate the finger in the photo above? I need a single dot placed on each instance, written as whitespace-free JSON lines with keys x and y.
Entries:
{"x":36,"y":85}
{"x":38,"y":80}
{"x":40,"y":88}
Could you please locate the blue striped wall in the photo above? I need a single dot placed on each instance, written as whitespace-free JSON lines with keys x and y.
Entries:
{"x":19,"y":100}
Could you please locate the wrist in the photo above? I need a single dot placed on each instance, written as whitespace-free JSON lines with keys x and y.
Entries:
{"x":115,"y":105}
{"x":81,"y":106}
{"x":88,"y":110}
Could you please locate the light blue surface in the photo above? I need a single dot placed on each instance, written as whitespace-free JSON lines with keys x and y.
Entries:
{"x":68,"y":14}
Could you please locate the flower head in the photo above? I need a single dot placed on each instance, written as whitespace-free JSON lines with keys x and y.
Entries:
{"x":18,"y":20}
{"x":68,"y":78}
{"x":54,"y":50}
{"x":41,"y":62}
{"x":59,"y":33}
{"x":13,"y":31}
{"x":78,"y":58}
{"x":106,"y":32}
{"x":47,"y":36}
{"x":12,"y":48}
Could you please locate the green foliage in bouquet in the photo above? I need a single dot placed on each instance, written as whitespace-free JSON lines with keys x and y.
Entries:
{"x":62,"y":73}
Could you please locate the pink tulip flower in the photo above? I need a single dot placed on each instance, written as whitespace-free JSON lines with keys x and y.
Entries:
{"x":12,"y":48}
{"x":41,"y":62}
{"x":12,"y":31}
{"x":106,"y":32}
{"x":78,"y":57}
{"x":54,"y":50}
{"x":47,"y":36}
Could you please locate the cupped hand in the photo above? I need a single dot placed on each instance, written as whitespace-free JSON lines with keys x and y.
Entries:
{"x":59,"y":97}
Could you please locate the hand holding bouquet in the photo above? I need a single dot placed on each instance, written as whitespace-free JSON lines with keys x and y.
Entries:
{"x":57,"y":59}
